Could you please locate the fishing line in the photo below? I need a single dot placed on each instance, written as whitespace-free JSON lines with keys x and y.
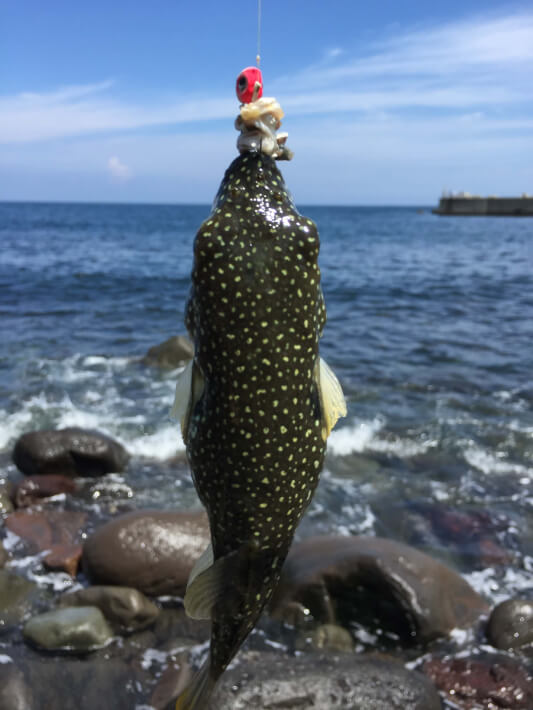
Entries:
{"x":258,"y":57}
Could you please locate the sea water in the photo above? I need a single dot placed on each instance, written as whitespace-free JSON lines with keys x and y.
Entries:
{"x":430,"y":331}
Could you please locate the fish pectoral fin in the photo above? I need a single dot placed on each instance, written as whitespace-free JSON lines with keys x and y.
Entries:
{"x":183,"y":393}
{"x":331,"y":398}
{"x":189,"y":388}
{"x":205,"y":561}
{"x":210,"y":584}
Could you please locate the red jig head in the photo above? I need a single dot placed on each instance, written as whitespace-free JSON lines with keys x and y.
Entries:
{"x":246,"y":85}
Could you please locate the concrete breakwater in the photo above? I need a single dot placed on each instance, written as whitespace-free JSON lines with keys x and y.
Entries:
{"x":485,"y":206}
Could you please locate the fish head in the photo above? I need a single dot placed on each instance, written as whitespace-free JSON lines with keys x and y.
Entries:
{"x":253,"y":191}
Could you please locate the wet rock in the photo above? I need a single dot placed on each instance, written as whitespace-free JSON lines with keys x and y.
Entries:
{"x":63,"y":558}
{"x":482,"y":682}
{"x":122,"y":606}
{"x":511,"y":624}
{"x":173,"y":680}
{"x":69,"y":452}
{"x":96,"y":682}
{"x":347,"y":579}
{"x":42,"y":530}
{"x":3,"y":555}
{"x":73,"y":629}
{"x":174,"y":352}
{"x":16,"y":597}
{"x":6,"y":506}
{"x":15,"y":693}
{"x":33,"y":489}
{"x":152,"y":551}
{"x":322,"y":681}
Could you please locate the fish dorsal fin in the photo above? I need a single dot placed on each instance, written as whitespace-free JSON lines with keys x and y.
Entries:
{"x":189,"y":388}
{"x":202,"y":563}
{"x":331,"y":397}
{"x":210,"y":584}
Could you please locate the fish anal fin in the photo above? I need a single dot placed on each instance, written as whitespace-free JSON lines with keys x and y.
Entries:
{"x":331,"y":398}
{"x":196,"y":694}
{"x":210,"y":584}
{"x":202,"y":564}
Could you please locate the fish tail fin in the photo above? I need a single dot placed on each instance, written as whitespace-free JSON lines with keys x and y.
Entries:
{"x":196,"y":694}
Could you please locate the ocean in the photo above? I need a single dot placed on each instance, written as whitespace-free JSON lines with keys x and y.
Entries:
{"x":430,"y":331}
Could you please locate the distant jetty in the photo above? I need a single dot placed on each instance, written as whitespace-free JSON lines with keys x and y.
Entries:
{"x":466,"y":205}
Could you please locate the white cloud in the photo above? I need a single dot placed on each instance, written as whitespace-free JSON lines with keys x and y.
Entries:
{"x":118,"y":169}
{"x":448,"y":105}
{"x":465,"y":65}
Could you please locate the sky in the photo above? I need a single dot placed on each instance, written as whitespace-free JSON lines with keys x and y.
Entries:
{"x":385,"y":102}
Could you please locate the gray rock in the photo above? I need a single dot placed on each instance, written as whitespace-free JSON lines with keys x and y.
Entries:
{"x":340,"y":579}
{"x":15,"y":694}
{"x":81,"y":628}
{"x":96,"y":682}
{"x":152,"y":551}
{"x":6,"y":506}
{"x":172,"y":353}
{"x":16,"y":597}
{"x":122,"y":606}
{"x":3,"y":555}
{"x":323,"y":681}
{"x":69,"y":452}
{"x":511,"y":624}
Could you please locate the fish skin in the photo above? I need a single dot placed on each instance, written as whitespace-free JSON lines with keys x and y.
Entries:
{"x":254,"y":429}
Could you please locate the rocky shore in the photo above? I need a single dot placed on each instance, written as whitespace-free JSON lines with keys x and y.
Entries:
{"x":91,"y":606}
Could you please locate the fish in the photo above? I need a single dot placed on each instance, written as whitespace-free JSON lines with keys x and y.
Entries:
{"x":256,"y":403}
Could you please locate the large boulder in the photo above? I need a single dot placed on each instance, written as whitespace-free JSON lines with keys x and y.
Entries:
{"x":77,"y":629}
{"x":152,"y":551}
{"x":122,"y":606}
{"x":321,"y":681}
{"x":484,"y":682}
{"x":174,"y":352}
{"x":69,"y":452}
{"x":511,"y":624}
{"x":346,"y":579}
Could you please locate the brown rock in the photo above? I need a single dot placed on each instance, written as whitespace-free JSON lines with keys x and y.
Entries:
{"x":339,"y":578}
{"x":64,"y":558}
{"x":482,"y":682}
{"x":172,"y":353}
{"x":152,"y":551}
{"x":70,"y":452}
{"x":34,"y":488}
{"x":45,"y":529}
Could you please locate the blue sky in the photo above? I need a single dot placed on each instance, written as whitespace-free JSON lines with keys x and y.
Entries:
{"x":385,"y":103}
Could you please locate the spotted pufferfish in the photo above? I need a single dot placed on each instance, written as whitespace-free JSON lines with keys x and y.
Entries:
{"x":256,"y":403}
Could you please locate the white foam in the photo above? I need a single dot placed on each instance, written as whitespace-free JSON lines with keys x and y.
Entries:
{"x":364,"y":436}
{"x":354,"y":439}
{"x":152,"y":655}
{"x":5,"y":659}
{"x":489,"y":463}
{"x":162,"y":444}
{"x":497,"y":587}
